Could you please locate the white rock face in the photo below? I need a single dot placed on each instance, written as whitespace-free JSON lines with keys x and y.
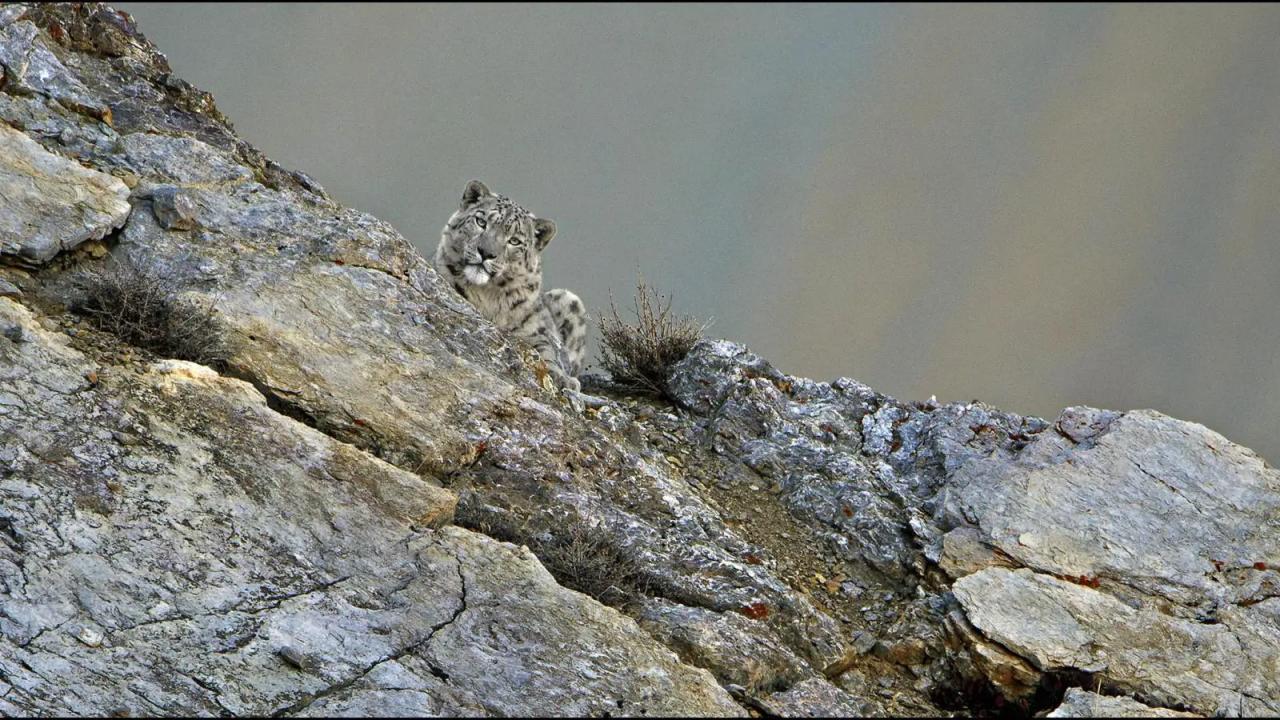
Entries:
{"x":52,"y":204}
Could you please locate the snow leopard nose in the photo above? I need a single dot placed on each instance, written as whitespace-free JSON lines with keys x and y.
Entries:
{"x":485,"y":255}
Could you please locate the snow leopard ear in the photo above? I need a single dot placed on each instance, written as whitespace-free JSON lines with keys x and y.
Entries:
{"x":475,"y":191}
{"x":543,"y":231}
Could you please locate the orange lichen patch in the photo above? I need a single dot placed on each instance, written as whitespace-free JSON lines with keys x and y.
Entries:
{"x":1259,"y":566}
{"x":756,"y":611}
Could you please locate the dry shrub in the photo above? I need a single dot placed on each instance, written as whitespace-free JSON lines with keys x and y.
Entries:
{"x":641,"y":356}
{"x":584,"y":559}
{"x":147,"y":310}
{"x":579,"y":557}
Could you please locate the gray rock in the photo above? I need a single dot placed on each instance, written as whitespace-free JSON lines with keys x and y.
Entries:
{"x":173,"y":208}
{"x":965,"y":551}
{"x":8,"y":289}
{"x":11,"y":12}
{"x":703,"y":379}
{"x":52,"y":204}
{"x":602,"y":661}
{"x":736,"y":650}
{"x":1226,"y":668}
{"x":1164,"y":527}
{"x":31,"y":67}
{"x":181,"y":160}
{"x":1079,"y":703}
{"x":262,"y":570}
{"x":815,"y":697}
{"x":1168,"y":508}
{"x":857,"y":463}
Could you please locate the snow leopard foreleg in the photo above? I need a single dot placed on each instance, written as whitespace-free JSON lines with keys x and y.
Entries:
{"x":569,"y":318}
{"x":540,"y":330}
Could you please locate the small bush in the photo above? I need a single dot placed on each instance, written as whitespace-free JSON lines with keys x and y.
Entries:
{"x":584,"y":559}
{"x":641,"y":356}
{"x":147,"y":310}
{"x":578,"y":557}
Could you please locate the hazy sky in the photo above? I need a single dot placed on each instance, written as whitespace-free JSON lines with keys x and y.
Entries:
{"x":1033,"y":206}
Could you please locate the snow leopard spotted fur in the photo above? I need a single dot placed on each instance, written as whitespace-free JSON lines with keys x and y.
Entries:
{"x":491,"y":252}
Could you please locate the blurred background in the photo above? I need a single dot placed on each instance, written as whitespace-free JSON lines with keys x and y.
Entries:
{"x":1035,"y":206}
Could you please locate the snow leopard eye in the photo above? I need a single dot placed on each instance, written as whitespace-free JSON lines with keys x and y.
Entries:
{"x":479,"y":221}
{"x":515,"y":241}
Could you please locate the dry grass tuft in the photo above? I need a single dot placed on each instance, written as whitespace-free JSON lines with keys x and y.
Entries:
{"x":147,"y":310}
{"x":584,"y":559}
{"x":580,"y":558}
{"x":641,"y":356}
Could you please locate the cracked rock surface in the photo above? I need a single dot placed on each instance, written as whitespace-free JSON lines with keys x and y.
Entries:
{"x":152,"y":564}
{"x":373,"y":507}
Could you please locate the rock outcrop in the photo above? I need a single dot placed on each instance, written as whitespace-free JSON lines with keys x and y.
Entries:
{"x":1082,"y":703}
{"x":53,"y":204}
{"x":373,"y":506}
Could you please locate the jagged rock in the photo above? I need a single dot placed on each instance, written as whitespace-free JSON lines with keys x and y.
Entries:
{"x":267,"y":538}
{"x":815,"y":697}
{"x":1230,"y":667}
{"x":733,"y":648}
{"x":965,"y":551}
{"x":11,"y":12}
{"x":31,"y":67}
{"x":173,"y":208}
{"x":1011,"y":675}
{"x":265,"y":571}
{"x":181,"y":160}
{"x":1168,"y":534}
{"x":702,"y":380}
{"x":1168,"y":508}
{"x":1079,"y":703}
{"x":51,"y":203}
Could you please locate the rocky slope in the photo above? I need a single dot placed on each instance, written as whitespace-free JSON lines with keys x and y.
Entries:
{"x":371,"y":505}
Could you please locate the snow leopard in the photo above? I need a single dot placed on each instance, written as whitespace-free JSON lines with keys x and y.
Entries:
{"x":491,"y":252}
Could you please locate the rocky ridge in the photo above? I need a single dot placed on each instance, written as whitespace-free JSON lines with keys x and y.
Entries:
{"x":374,"y":506}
